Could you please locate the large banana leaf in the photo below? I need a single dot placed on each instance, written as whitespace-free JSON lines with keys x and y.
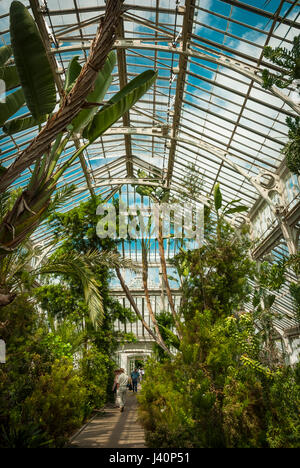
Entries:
{"x":32,"y":62}
{"x":13,"y":103}
{"x":5,"y":54}
{"x":217,"y":197}
{"x":119,"y":104}
{"x":102,"y":84}
{"x":72,"y":73}
{"x":20,"y":125}
{"x":10,"y":76}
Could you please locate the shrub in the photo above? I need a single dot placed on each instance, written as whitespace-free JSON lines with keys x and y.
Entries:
{"x":284,"y":402}
{"x":95,"y":371}
{"x":58,"y":401}
{"x":24,"y":436}
{"x":243,"y":410}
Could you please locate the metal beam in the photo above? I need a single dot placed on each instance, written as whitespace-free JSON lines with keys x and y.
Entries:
{"x":98,"y":8}
{"x":222,"y":155}
{"x":259,"y":11}
{"x":39,"y":18}
{"x":237,"y":124}
{"x":278,"y":211}
{"x":187,"y":29}
{"x":276,"y":235}
{"x":121,"y":56}
{"x":220,"y":59}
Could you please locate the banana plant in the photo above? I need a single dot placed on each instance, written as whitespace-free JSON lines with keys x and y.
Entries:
{"x":40,"y":101}
{"x":31,"y":71}
{"x":8,"y":73}
{"x":231,"y":207}
{"x":32,"y":205}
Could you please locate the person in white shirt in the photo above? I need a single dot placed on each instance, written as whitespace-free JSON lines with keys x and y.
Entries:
{"x":122,"y":382}
{"x":114,"y":388}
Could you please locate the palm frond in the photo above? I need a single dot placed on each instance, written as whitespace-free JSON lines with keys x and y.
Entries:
{"x":79,"y":267}
{"x":60,"y":197}
{"x":16,"y":268}
{"x":83,"y":267}
{"x":4,"y":198}
{"x":110,"y":259}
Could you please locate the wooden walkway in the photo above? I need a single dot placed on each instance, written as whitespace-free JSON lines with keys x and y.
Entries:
{"x":112,"y":429}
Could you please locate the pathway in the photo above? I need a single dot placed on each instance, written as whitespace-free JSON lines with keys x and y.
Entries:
{"x":112,"y":429}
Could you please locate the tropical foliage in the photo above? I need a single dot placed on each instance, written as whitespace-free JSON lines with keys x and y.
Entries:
{"x":59,"y":364}
{"x":287,"y":60}
{"x":289,"y":63}
{"x":291,"y":150}
{"x":227,"y":385}
{"x":87,"y":121}
{"x":71,"y":103}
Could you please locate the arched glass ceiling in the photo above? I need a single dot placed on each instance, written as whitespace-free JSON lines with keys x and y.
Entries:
{"x":206,"y":107}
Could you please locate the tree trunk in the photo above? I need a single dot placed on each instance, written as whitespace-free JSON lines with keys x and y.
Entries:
{"x":148,"y":302}
{"x":165,"y":276}
{"x":6,"y":299}
{"x":135,"y":308}
{"x":75,"y":100}
{"x":21,"y":221}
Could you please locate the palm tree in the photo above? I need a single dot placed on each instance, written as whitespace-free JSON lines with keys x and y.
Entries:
{"x":23,"y":268}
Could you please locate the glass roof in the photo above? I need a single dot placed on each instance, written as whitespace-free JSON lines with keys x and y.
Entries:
{"x":194,"y":99}
{"x":207,"y":107}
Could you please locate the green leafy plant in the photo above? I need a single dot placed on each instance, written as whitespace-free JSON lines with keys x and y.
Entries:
{"x":33,"y":67}
{"x":291,"y":149}
{"x":287,"y":60}
{"x":33,"y":204}
{"x":231,"y":207}
{"x":222,"y":389}
{"x":58,"y":412}
{"x":295,"y":293}
{"x":24,"y":436}
{"x":40,"y":383}
{"x":18,"y":273}
{"x":95,"y":368}
{"x":9,"y":74}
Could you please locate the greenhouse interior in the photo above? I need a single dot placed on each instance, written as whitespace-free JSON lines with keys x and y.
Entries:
{"x":149,"y":224}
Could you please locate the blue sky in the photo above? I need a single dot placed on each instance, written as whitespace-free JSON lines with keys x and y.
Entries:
{"x":202,"y":97}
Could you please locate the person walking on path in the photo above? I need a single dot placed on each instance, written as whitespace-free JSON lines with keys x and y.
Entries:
{"x":135,"y":377}
{"x":114,"y":387}
{"x":122,"y":383}
{"x":141,"y":372}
